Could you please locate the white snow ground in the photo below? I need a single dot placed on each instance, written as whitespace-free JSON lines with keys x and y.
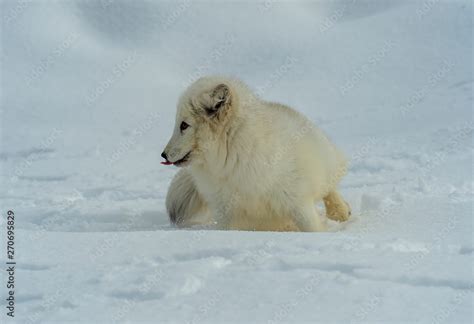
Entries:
{"x":88,"y":99}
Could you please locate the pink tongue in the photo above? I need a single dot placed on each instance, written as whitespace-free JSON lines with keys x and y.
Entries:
{"x":166,"y":163}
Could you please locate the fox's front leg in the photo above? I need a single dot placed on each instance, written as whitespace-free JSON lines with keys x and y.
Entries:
{"x":222,"y":216}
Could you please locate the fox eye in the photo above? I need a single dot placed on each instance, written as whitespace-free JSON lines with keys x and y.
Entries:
{"x":183,"y":126}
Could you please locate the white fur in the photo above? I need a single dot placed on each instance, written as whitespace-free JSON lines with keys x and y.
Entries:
{"x":254,"y":165}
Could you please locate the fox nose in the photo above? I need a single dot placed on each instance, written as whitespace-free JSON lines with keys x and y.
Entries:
{"x":164,"y":156}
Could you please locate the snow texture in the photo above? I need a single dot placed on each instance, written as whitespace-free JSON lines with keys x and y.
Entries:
{"x":88,"y":99}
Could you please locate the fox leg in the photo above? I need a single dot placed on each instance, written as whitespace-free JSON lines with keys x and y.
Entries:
{"x":184,"y":204}
{"x":336,"y":208}
{"x":308,"y":219}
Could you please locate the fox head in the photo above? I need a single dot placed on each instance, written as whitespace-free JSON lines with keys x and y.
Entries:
{"x":203,"y":114}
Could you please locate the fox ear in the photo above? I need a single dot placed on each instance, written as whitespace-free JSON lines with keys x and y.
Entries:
{"x":219,"y":99}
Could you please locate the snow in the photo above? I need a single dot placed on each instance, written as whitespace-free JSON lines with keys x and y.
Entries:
{"x":88,"y":100}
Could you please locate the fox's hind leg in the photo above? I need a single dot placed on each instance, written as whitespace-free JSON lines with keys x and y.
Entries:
{"x":184,"y":203}
{"x":336,"y":208}
{"x":307,"y":219}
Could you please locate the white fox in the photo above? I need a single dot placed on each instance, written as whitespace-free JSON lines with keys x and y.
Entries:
{"x":249,"y":164}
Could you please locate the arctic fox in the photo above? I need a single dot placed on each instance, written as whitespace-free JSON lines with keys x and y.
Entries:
{"x":249,"y":164}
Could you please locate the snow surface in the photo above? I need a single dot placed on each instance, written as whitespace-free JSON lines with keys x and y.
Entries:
{"x":88,"y":99}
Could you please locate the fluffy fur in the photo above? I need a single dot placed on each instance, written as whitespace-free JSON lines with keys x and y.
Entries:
{"x":250,"y":164}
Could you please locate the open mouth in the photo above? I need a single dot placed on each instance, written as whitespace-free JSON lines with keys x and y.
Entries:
{"x":183,"y":160}
{"x":179,"y":162}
